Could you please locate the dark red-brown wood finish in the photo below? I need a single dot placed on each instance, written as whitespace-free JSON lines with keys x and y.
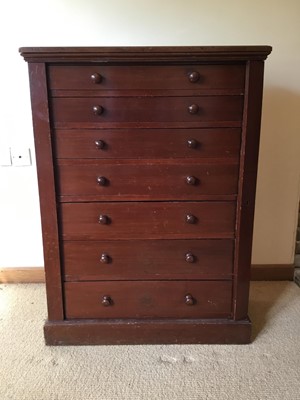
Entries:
{"x":146,"y":180}
{"x":148,"y":259}
{"x":247,"y":186}
{"x":147,"y":163}
{"x":143,"y":220}
{"x":147,"y":77}
{"x":147,"y":143}
{"x":158,"y":299}
{"x":42,"y":137}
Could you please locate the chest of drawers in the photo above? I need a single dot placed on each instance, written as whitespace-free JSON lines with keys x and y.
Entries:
{"x":147,"y":162}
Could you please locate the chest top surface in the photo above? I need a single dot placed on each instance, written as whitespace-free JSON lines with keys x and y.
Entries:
{"x":150,"y":54}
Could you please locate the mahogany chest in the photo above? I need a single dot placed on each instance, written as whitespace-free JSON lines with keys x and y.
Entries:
{"x":147,"y":163}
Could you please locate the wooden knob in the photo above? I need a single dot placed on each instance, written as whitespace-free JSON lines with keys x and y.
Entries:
{"x":193,"y":109}
{"x":102,"y":181}
{"x":190,"y":219}
{"x":106,"y":301}
{"x":189,"y":300}
{"x":98,"y":110}
{"x":103,"y":219}
{"x":192,"y":143}
{"x":100,"y":144}
{"x":104,"y":259}
{"x":191,"y":180}
{"x":194,"y":76}
{"x":189,"y":258}
{"x":96,"y":78}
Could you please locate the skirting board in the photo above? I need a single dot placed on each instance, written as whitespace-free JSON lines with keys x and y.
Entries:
{"x":272,"y":272}
{"x":22,"y":275}
{"x":263,"y":272}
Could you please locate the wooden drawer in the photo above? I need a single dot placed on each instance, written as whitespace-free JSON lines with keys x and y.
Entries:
{"x":147,"y":143}
{"x":145,"y":180}
{"x":146,"y":77}
{"x":145,"y":109}
{"x":158,"y":299}
{"x":147,"y":259}
{"x":147,"y":220}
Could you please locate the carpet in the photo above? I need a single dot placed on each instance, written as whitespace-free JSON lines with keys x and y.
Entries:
{"x":267,"y":369}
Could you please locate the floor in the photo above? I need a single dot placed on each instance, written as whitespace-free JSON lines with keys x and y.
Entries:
{"x":268,"y":368}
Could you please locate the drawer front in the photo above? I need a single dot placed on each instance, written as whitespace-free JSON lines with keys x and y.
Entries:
{"x":97,"y":77}
{"x":147,"y":181}
{"x":158,"y":299}
{"x":147,"y":143}
{"x":146,"y":109}
{"x":147,"y":259}
{"x":147,"y":220}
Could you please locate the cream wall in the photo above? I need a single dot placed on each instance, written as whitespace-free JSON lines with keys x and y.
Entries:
{"x":140,"y":22}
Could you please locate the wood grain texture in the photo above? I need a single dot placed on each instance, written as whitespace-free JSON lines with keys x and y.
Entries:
{"x":149,"y":180}
{"x":153,"y":331}
{"x":159,"y":299}
{"x":43,"y":148}
{"x":132,"y":77}
{"x":148,"y":259}
{"x":147,"y":143}
{"x":259,"y":272}
{"x":73,"y":110}
{"x":22,"y":275}
{"x":145,"y":93}
{"x":143,"y":220}
{"x":152,"y":55}
{"x":247,"y":186}
{"x":272,"y":272}
{"x":149,"y":124}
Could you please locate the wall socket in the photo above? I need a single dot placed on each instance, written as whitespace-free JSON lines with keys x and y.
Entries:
{"x":20,"y":156}
{"x":16,"y":156}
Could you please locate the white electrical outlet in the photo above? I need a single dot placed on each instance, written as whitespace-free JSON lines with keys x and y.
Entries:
{"x":20,"y":156}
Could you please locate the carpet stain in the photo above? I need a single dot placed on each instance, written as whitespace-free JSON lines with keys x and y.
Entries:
{"x":168,"y":359}
{"x":172,"y":360}
{"x":189,"y":359}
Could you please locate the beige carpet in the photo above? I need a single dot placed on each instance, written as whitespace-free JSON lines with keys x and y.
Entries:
{"x":269,"y":368}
